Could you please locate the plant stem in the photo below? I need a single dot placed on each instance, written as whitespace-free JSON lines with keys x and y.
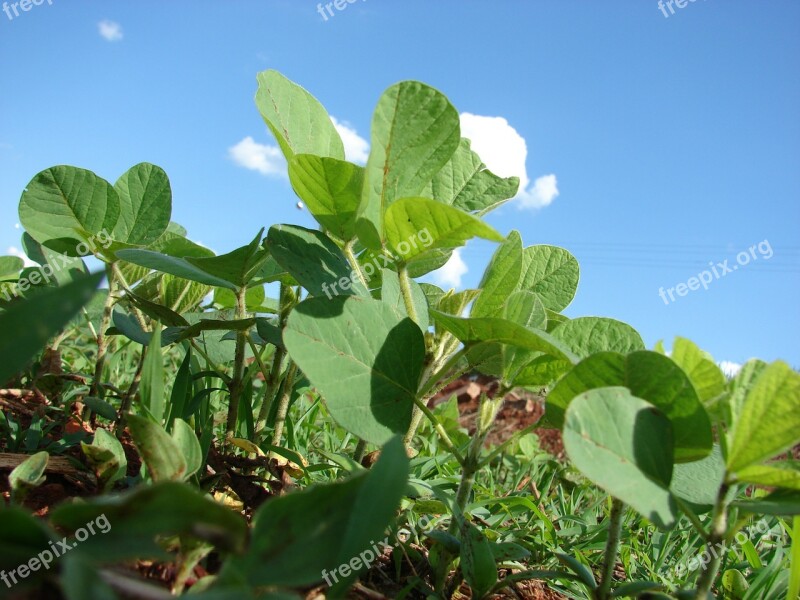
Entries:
{"x":283,"y":404}
{"x":603,"y":591}
{"x":126,"y":286}
{"x":271,"y":387}
{"x":428,"y":389}
{"x":237,"y":380}
{"x":348,"y":252}
{"x":719,"y":526}
{"x":408,"y":298}
{"x":125,"y":405}
{"x":361,"y":449}
{"x":102,"y":340}
{"x":448,"y":443}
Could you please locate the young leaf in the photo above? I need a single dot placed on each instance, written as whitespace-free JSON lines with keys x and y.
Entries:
{"x":415,"y":131}
{"x":444,"y":227}
{"x":298,"y":121}
{"x":705,"y":375}
{"x":650,"y":376}
{"x":551,"y":272}
{"x":477,"y":560}
{"x":158,"y":450}
{"x":363,"y":357}
{"x":501,"y":277}
{"x":188,"y":445}
{"x":51,"y":310}
{"x":331,"y":190}
{"x":145,"y":199}
{"x":314,"y":261}
{"x":770,"y":419}
{"x":62,"y":201}
{"x":107,"y":458}
{"x":27,"y":475}
{"x":151,"y":389}
{"x":624,"y":445}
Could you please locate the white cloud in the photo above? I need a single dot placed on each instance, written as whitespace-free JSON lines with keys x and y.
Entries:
{"x":729,"y":368}
{"x":505,"y":152}
{"x":453,"y":270}
{"x":13,"y":251}
{"x":356,"y":148}
{"x":541,"y":194}
{"x":110,"y":30}
{"x":267,"y":160}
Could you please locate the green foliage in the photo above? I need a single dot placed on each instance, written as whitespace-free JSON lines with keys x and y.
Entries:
{"x":247,"y":397}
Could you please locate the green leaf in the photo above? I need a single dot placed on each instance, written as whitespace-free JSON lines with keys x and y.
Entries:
{"x":734,"y":585}
{"x":215,"y":325}
{"x":81,"y":580}
{"x":443,"y":226}
{"x":254,"y":298}
{"x":107,"y":458}
{"x":780,"y":502}
{"x":152,"y":383}
{"x":180,"y":267}
{"x":551,"y":272}
{"x":22,"y":536}
{"x":650,"y":376}
{"x":314,"y":261}
{"x":188,"y":445}
{"x":62,"y":201}
{"x":238,"y":267}
{"x":349,"y":519}
{"x":501,"y":277}
{"x":50,"y":310}
{"x":465,"y":183}
{"x":128,"y":524}
{"x":584,"y":336}
{"x":487,"y":329}
{"x":705,"y":375}
{"x":145,"y":200}
{"x":624,"y":445}
{"x":27,"y":475}
{"x":363,"y":357}
{"x":477,"y":560}
{"x":783,"y":474}
{"x":770,"y":419}
{"x":415,"y":131}
{"x":158,"y":450}
{"x":298,"y":121}
{"x":589,"y":335}
{"x":331,"y":190}
{"x":10,"y":266}
{"x":698,"y":482}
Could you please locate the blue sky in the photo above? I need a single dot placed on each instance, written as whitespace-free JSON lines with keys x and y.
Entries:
{"x":672,"y":142}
